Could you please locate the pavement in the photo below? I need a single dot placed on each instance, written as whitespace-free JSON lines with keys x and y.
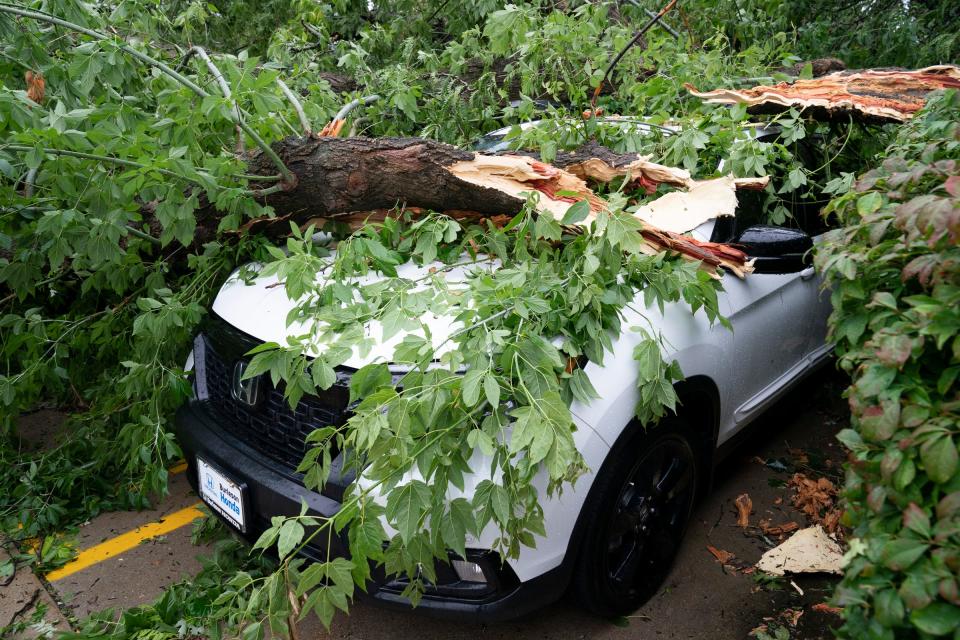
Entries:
{"x":127,"y":558}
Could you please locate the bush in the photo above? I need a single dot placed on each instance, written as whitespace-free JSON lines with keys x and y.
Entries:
{"x":893,"y":269}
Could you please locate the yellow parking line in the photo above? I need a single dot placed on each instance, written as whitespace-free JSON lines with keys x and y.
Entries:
{"x":180,"y":467}
{"x":126,"y":541}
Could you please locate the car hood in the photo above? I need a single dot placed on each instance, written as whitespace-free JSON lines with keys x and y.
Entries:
{"x":259,"y":308}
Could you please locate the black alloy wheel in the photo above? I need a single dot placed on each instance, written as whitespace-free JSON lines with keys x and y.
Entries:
{"x":638,"y":520}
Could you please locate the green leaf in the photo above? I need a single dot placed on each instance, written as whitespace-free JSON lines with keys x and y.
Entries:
{"x":914,"y":591}
{"x":491,"y":389}
{"x":948,"y":506}
{"x":366,"y":538}
{"x":547,"y":228}
{"x":850,"y":439}
{"x":478,"y":438}
{"x":889,"y":608}
{"x":577,"y":212}
{"x":500,"y":503}
{"x":340,"y":571}
{"x":291,"y":534}
{"x":885,"y":299}
{"x":916,"y":520}
{"x":322,"y":374}
{"x":406,"y":506}
{"x":939,"y":457}
{"x":581,"y":386}
{"x":34,"y":158}
{"x":937,"y":619}
{"x":874,"y":380}
{"x":323,"y":606}
{"x":253,"y":631}
{"x":368,"y":379}
{"x":456,"y":524}
{"x":901,"y":553}
{"x":311,"y":577}
{"x":471,"y":386}
{"x":869,"y":203}
{"x":491,"y":499}
{"x":878,"y":423}
{"x":267,"y":538}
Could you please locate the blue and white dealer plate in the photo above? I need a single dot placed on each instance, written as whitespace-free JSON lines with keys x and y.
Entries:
{"x":222,"y":494}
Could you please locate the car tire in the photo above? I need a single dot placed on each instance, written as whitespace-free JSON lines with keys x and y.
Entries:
{"x":637,"y":513}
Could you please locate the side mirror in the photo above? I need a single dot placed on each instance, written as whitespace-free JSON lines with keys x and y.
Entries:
{"x":776,"y":249}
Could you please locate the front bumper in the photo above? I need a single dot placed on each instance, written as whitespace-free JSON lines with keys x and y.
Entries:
{"x":272,"y":492}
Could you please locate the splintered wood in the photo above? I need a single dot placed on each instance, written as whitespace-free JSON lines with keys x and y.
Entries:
{"x":809,"y":550}
{"x":665,"y":219}
{"x":889,"y":95}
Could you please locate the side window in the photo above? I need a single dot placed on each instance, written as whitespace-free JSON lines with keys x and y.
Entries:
{"x":751,"y":210}
{"x":803,"y":205}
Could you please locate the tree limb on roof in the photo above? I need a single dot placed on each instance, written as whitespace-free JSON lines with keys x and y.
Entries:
{"x":348,"y":178}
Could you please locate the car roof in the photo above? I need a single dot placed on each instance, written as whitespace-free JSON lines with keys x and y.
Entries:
{"x":494,"y":141}
{"x":624,"y":121}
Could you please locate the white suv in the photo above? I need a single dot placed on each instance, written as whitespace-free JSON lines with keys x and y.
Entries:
{"x":613,"y":535}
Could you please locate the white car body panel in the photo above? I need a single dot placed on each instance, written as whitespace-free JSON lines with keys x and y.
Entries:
{"x":779,"y":326}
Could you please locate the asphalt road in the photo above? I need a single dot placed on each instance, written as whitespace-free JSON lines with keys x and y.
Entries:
{"x":127,"y":558}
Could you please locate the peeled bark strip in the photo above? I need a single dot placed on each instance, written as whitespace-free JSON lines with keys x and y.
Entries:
{"x":872,"y":95}
{"x":353,"y":179}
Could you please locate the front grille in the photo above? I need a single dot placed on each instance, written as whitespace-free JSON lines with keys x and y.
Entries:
{"x":272,"y":427}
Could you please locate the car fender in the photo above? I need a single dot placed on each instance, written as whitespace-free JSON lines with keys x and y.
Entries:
{"x":700,"y":349}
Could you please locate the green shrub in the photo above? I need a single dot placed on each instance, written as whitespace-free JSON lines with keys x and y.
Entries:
{"x":893,"y":269}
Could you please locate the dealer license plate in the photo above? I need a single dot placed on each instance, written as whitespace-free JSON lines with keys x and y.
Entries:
{"x":222,"y":494}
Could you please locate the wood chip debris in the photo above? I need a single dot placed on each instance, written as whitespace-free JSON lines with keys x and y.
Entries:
{"x":792,"y":616}
{"x":823,"y":607}
{"x":723,"y":557}
{"x":817,"y":499}
{"x":744,"y":508}
{"x":730,"y":561}
{"x":682,"y":211}
{"x":779,"y":530}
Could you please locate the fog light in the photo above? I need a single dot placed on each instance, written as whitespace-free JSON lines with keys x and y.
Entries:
{"x":468,"y":571}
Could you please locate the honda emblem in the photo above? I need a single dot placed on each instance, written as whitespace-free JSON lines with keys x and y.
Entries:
{"x":246,"y":391}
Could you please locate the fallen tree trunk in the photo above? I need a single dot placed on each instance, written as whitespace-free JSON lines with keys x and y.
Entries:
{"x":352,"y":179}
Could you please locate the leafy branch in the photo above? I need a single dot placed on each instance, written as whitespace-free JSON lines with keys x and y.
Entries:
{"x":288,"y":176}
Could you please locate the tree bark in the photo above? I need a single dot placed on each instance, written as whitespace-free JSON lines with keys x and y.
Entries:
{"x":353,"y":179}
{"x":344,"y":175}
{"x":337,"y":175}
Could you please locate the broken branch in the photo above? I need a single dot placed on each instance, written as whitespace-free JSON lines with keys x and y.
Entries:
{"x":870,"y":95}
{"x":201,"y":53}
{"x":613,"y":63}
{"x":291,"y":96}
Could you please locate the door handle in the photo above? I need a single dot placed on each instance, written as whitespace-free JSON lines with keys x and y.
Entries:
{"x":807,"y":273}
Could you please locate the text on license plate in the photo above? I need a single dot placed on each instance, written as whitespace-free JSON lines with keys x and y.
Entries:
{"x":222,"y":494}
